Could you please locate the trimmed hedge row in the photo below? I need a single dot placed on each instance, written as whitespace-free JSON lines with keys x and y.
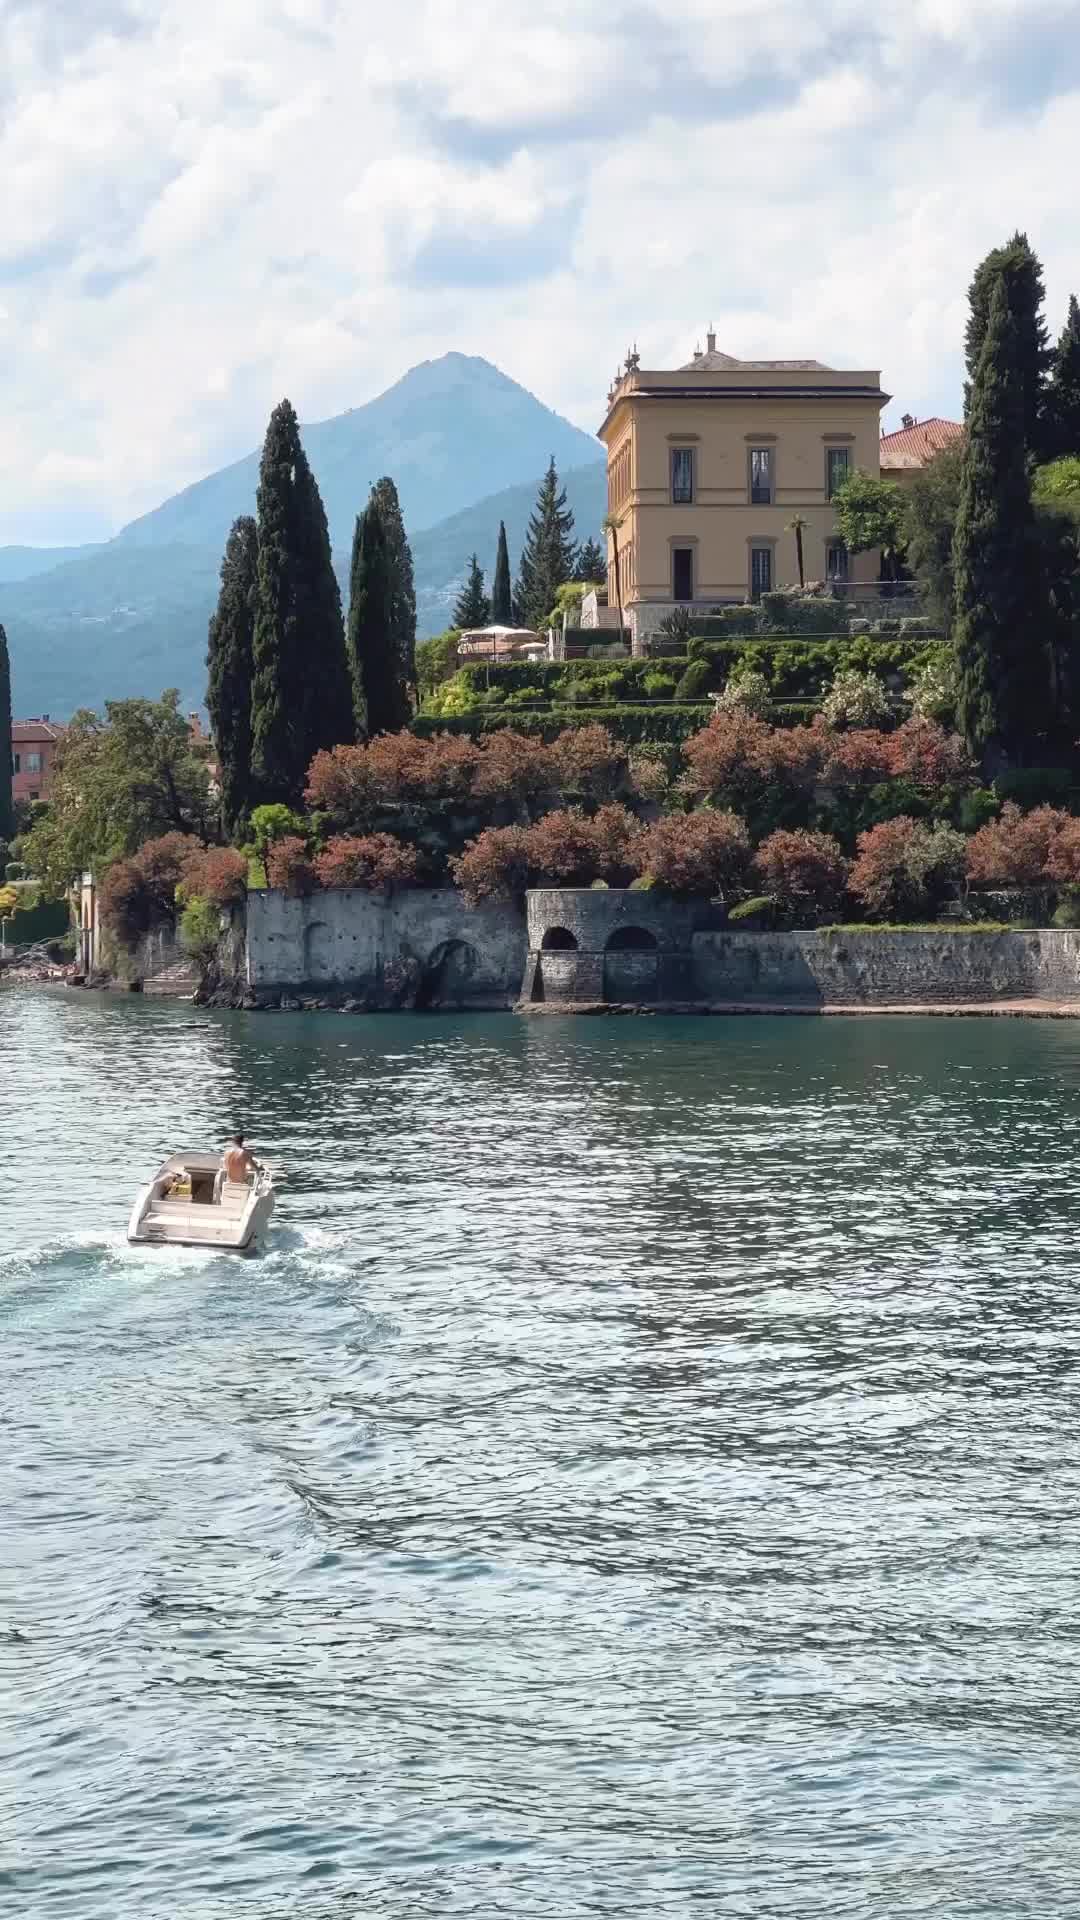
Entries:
{"x":666,"y":725}
{"x":804,"y":669}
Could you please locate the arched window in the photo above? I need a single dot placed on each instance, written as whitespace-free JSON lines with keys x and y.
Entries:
{"x":558,"y":940}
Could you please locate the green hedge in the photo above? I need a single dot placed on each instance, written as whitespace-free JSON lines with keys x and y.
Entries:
{"x":619,"y":679}
{"x":804,"y":669}
{"x":665,"y":725}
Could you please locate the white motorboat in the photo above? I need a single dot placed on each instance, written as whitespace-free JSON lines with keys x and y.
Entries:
{"x":189,"y":1203}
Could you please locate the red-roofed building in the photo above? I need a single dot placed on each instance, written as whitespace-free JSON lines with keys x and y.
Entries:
{"x":914,"y":444}
{"x":33,"y":750}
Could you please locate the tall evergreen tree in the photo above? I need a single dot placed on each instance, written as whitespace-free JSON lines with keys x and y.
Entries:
{"x":1020,"y":270}
{"x":549,"y":556}
{"x":592,"y":563}
{"x":380,"y":695}
{"x":1000,"y":669}
{"x":7,"y":811}
{"x":402,"y":586}
{"x":1063,"y":392}
{"x":472,"y":608}
{"x":300,"y":697}
{"x":229,"y":670}
{"x":502,"y":599}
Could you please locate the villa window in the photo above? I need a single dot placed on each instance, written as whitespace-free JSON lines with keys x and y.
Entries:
{"x":760,"y":571}
{"x":33,"y":763}
{"x":836,"y":560}
{"x":15,"y":763}
{"x":682,"y":573}
{"x":837,"y":468}
{"x":682,"y":476}
{"x":761,"y":476}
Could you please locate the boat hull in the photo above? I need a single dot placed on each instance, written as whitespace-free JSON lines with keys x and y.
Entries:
{"x":188,"y":1205}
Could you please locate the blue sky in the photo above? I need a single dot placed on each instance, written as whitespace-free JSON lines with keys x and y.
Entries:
{"x":210,"y":203}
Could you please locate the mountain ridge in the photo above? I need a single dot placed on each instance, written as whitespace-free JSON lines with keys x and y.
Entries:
{"x":129,"y":615}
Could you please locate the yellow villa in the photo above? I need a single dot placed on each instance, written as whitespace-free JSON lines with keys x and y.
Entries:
{"x":709,"y":464}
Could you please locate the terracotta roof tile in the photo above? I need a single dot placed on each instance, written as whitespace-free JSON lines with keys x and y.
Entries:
{"x":912,"y":447}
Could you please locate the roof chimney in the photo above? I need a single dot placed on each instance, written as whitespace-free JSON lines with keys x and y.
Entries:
{"x":907,"y":419}
{"x":711,"y":338}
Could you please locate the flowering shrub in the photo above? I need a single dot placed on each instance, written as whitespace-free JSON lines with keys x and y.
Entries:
{"x":805,"y":872}
{"x":495,"y":865}
{"x":370,"y":860}
{"x":1014,"y":850}
{"x":707,"y":852}
{"x":855,"y":700}
{"x":216,"y":874}
{"x":746,"y":692}
{"x":289,"y":866}
{"x":905,"y":869}
{"x":932,"y":693}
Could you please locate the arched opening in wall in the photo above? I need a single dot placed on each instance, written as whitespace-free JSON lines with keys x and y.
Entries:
{"x":558,"y":940}
{"x":318,"y":952}
{"x":631,"y":966}
{"x":631,"y":940}
{"x":449,"y":978}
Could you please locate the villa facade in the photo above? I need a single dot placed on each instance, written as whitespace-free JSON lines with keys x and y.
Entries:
{"x":709,"y":464}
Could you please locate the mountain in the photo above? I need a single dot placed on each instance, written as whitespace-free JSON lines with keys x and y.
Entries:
{"x":449,"y":431}
{"x":22,"y":563}
{"x":92,"y":623}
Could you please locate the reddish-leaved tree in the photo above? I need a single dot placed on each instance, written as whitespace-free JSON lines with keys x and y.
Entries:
{"x":494,"y":866}
{"x":706,"y":853}
{"x":371,"y":860}
{"x":289,"y":866}
{"x":805,"y":872}
{"x":1013,"y":850}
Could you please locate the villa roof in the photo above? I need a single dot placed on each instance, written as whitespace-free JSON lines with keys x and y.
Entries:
{"x":715,"y":362}
{"x":913,"y":445}
{"x":25,"y":732}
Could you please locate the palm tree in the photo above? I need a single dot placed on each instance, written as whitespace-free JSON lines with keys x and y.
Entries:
{"x":612,"y":523}
{"x":797,"y":526}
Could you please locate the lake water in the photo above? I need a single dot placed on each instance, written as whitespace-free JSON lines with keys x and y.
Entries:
{"x":641,"y":1478}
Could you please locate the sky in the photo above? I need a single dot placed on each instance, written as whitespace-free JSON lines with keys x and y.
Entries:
{"x":211,"y":203}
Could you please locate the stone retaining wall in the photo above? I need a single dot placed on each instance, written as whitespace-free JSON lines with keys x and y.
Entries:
{"x":893,"y":969}
{"x":421,"y":947}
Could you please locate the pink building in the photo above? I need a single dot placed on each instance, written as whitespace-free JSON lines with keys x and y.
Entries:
{"x":33,"y":750}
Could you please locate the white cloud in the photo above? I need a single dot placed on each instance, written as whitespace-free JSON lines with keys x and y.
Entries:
{"x":212,"y":202}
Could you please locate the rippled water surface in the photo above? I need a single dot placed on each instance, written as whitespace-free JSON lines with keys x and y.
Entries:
{"x":641,"y":1478}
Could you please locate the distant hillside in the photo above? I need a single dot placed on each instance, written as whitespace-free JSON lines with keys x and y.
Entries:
{"x":131,"y":619}
{"x":22,"y":563}
{"x":450,"y":431}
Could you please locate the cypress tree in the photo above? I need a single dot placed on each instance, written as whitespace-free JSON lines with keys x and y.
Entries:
{"x":229,"y":668}
{"x":1063,"y":393}
{"x":300,"y":696}
{"x":380,"y":696}
{"x":402,"y":587}
{"x":998,"y":663}
{"x":472,"y":608}
{"x":1020,"y":270}
{"x":7,"y":809}
{"x":549,"y":556}
{"x":592,"y":563}
{"x":502,"y":603}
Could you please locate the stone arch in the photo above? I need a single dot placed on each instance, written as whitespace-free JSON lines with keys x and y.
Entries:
{"x":631,"y":940}
{"x":449,"y":976}
{"x":558,"y":940}
{"x":318,"y":951}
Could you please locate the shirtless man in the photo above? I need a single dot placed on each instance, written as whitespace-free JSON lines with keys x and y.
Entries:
{"x":239,"y":1161}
